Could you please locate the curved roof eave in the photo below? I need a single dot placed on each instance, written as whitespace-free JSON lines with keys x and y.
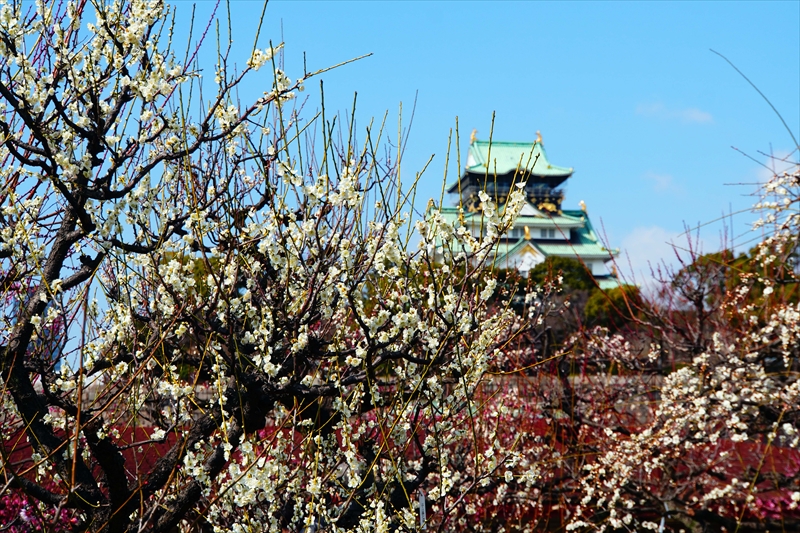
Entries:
{"x":508,"y":157}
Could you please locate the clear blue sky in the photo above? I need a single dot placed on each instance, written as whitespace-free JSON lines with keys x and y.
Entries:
{"x":626,"y":93}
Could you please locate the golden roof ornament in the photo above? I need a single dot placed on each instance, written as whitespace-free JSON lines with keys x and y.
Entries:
{"x":583,"y":205}
{"x":473,"y":136}
{"x":550,"y":207}
{"x":527,"y":233}
{"x":474,"y":204}
{"x":538,"y":136}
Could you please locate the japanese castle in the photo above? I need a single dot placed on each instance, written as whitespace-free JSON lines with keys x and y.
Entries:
{"x":543,"y":227}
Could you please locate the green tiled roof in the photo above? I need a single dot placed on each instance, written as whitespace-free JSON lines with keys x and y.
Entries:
{"x":555,"y":221}
{"x":505,"y":251}
{"x":506,"y":157}
{"x":587,"y":251}
{"x":608,"y":282}
{"x":584,"y":241}
{"x":563,"y":220}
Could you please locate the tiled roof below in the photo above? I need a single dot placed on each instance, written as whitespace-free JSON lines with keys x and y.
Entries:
{"x":505,"y":157}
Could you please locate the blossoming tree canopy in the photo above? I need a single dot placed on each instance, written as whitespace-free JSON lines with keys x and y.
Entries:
{"x":245,"y":340}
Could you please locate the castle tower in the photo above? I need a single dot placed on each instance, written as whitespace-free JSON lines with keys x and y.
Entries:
{"x":544,"y":228}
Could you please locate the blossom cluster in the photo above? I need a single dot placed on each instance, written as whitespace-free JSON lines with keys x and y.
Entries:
{"x":237,"y":335}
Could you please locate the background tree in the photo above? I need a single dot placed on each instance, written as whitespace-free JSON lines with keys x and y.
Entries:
{"x":572,"y":273}
{"x":720,"y":449}
{"x":574,"y":284}
{"x":614,"y":308}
